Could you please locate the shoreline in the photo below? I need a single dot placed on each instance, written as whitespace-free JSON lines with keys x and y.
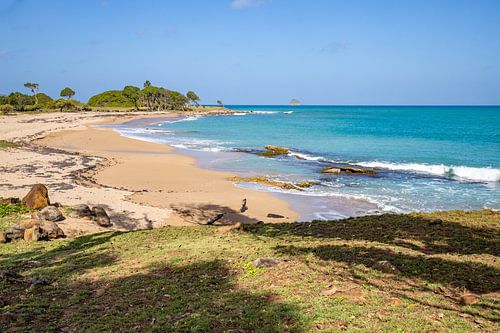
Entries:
{"x":192,"y":196}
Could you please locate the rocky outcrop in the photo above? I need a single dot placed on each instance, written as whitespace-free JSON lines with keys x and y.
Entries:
{"x":307,"y":184}
{"x":34,"y":230}
{"x":274,"y":151}
{"x":349,"y":170}
{"x":101,"y":217}
{"x":37,"y":197}
{"x":269,"y":182}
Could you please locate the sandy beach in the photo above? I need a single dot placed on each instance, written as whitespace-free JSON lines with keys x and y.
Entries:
{"x":141,"y":184}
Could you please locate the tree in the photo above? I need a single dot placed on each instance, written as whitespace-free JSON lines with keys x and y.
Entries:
{"x":67,"y":92}
{"x":146,"y":84}
{"x":34,"y":88}
{"x":219,"y":102}
{"x":20,"y":101}
{"x":193,"y":98}
{"x":132,"y":93}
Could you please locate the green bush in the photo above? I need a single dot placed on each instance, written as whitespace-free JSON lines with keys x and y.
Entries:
{"x":113,"y":98}
{"x":6,"y":108}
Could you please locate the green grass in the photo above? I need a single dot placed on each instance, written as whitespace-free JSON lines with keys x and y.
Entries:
{"x":7,"y":144}
{"x":195,"y":279}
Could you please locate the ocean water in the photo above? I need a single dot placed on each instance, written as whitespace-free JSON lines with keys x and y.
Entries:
{"x":427,"y":157}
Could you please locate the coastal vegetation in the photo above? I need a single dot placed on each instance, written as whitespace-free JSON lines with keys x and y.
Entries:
{"x":387,"y":273}
{"x":131,"y":97}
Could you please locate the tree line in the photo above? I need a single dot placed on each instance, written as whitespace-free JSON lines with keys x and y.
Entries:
{"x":149,"y":97}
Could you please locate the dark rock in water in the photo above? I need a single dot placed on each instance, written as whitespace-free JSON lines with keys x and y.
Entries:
{"x":348,"y":169}
{"x":275,"y":151}
{"x":51,"y":213}
{"x":243,"y":150}
{"x":3,"y":238}
{"x":436,"y":222}
{"x":10,"y":201}
{"x":51,"y":229}
{"x":101,"y":217}
{"x":244,"y":206}
{"x":307,"y":184}
{"x":266,"y":262}
{"x":215,"y":218}
{"x":332,"y":170}
{"x":275,"y":216}
{"x":37,"y":197}
{"x":82,"y":211}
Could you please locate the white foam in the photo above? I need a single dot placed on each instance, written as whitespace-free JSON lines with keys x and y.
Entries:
{"x":306,"y":157}
{"x":463,"y":172}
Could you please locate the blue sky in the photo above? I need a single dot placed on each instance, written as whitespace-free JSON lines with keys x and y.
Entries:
{"x":258,"y":51}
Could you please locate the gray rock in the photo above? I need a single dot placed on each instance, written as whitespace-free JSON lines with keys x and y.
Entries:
{"x":82,"y":211}
{"x":266,"y":262}
{"x":52,"y":229}
{"x":51,"y":213}
{"x":101,"y":217}
{"x":16,"y":232}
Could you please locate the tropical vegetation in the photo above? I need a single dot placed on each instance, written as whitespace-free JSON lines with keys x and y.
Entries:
{"x":150,"y":97}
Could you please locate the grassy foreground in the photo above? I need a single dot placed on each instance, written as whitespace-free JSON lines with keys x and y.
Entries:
{"x":196,"y":279}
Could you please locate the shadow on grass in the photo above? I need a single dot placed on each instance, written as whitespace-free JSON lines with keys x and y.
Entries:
{"x":201,"y":296}
{"x":435,"y":253}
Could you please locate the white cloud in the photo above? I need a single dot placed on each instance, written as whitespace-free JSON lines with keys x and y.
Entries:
{"x":244,"y":4}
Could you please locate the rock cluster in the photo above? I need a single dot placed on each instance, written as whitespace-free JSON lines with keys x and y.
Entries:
{"x":42,"y":225}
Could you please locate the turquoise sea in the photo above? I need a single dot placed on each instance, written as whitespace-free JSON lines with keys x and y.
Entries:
{"x":428,"y":157}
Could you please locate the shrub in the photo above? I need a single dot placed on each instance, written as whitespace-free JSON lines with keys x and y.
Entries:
{"x":6,"y":108}
{"x":113,"y":98}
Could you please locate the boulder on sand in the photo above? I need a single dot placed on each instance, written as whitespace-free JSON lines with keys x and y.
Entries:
{"x":101,"y":217}
{"x":51,"y":213}
{"x":82,"y":211}
{"x":37,"y":197}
